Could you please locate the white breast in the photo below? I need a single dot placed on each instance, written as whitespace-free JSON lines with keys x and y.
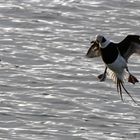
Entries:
{"x":118,"y":66}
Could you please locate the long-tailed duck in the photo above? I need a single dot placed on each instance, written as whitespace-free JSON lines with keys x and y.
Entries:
{"x":115,"y":57}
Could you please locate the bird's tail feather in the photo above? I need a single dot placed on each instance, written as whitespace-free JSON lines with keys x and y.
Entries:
{"x":119,"y":80}
{"x":120,"y":86}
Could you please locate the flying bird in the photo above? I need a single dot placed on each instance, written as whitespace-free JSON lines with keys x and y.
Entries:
{"x":115,"y":56}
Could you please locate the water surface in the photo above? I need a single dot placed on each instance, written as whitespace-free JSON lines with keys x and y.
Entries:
{"x":49,"y":89}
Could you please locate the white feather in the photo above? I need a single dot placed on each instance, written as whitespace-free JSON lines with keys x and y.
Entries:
{"x":105,"y":44}
{"x":117,"y":67}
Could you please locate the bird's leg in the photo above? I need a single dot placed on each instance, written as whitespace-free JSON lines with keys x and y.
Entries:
{"x":132,"y":79}
{"x":102,"y":77}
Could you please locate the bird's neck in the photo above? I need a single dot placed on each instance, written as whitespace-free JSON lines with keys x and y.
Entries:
{"x":105,"y":44}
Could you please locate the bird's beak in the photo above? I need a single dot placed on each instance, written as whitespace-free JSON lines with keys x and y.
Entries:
{"x":92,"y":42}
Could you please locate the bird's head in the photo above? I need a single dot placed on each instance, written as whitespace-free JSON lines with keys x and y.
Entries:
{"x":103,"y":42}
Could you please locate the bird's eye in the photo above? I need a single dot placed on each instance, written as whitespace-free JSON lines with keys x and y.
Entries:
{"x":103,"y":40}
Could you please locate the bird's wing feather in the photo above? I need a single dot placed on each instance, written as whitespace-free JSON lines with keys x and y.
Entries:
{"x":130,"y":45}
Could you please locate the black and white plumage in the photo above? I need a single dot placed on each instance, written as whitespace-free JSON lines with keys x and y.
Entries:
{"x":115,"y":57}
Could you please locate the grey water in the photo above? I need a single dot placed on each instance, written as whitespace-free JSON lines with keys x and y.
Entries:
{"x":48,"y":89}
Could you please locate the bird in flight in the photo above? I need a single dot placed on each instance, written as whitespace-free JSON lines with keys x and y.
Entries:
{"x":115,"y":56}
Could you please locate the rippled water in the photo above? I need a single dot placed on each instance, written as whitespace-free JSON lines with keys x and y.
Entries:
{"x":49,"y":89}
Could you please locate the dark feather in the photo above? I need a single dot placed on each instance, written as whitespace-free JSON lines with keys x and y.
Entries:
{"x":130,"y":45}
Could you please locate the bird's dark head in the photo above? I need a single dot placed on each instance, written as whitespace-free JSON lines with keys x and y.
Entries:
{"x":102,"y":41}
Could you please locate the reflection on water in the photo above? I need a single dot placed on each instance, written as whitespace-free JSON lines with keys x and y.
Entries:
{"x":49,"y":89}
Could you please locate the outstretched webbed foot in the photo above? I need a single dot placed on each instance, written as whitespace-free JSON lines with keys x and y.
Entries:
{"x":102,"y":77}
{"x":132,"y":79}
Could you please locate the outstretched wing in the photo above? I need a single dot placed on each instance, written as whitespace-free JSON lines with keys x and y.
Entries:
{"x":94,"y":50}
{"x":130,"y":45}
